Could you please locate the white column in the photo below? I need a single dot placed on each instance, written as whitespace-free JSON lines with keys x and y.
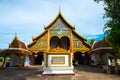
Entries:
{"x":27,"y":61}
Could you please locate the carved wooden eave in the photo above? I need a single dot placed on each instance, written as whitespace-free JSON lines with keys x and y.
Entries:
{"x":39,"y":36}
{"x":87,"y":44}
{"x":58,"y":50}
{"x":83,"y":39}
{"x":62,"y":18}
{"x":36,"y":38}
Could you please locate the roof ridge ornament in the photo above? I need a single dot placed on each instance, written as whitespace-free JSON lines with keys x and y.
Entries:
{"x":59,"y":9}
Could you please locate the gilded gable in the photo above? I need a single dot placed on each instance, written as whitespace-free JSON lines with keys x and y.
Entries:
{"x":59,"y":28}
{"x":40,"y":44}
{"x":77,"y":43}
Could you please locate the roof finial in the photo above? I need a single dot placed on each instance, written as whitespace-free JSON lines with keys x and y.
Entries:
{"x":44,"y":26}
{"x":59,"y":9}
{"x":16,"y":37}
{"x":15,"y":34}
{"x":32,"y":37}
{"x":74,"y":25}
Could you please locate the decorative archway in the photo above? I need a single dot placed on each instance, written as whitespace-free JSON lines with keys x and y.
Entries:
{"x":54,"y":42}
{"x":64,"y":42}
{"x":38,"y":58}
{"x":79,"y":57}
{"x":87,"y":59}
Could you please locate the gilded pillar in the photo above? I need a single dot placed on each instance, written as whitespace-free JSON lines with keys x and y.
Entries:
{"x":20,"y":61}
{"x":101,"y":60}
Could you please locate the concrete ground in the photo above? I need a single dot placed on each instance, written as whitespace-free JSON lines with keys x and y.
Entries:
{"x":34,"y":73}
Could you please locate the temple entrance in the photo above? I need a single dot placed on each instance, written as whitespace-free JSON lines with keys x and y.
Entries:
{"x":38,"y":58}
{"x":87,"y":59}
{"x":79,"y":57}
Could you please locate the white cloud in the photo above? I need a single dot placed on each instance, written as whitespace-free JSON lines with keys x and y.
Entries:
{"x":93,"y":37}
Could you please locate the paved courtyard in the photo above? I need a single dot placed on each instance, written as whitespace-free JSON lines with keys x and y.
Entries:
{"x":34,"y":73}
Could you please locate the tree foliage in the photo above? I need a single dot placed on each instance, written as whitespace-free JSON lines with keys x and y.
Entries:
{"x":92,"y":41}
{"x":112,"y":27}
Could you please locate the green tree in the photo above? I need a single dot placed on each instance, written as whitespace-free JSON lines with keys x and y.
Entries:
{"x":92,"y":41}
{"x":112,"y":26}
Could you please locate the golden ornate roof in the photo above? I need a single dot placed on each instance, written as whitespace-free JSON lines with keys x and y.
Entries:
{"x":59,"y":16}
{"x":38,"y":43}
{"x":17,"y":44}
{"x":79,"y":35}
{"x":103,"y":46}
{"x":105,"y":43}
{"x":84,"y":40}
{"x":16,"y":47}
{"x":35,"y":39}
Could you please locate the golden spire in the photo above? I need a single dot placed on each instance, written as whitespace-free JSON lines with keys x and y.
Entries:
{"x":15,"y":43}
{"x":16,"y":38}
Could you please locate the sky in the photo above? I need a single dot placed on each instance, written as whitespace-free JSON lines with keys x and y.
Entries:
{"x":27,"y":18}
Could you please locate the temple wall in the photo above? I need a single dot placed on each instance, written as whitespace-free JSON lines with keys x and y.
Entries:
{"x":95,"y":60}
{"x":106,"y":59}
{"x":14,"y":60}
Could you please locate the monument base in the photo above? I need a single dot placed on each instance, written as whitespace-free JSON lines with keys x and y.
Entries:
{"x":57,"y":63}
{"x":59,"y":71}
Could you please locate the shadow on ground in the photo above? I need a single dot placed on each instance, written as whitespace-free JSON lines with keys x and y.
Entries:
{"x":82,"y":72}
{"x":20,"y":74}
{"x":86,"y":68}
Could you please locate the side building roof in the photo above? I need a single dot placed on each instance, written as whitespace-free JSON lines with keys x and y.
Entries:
{"x":102,"y":47}
{"x":16,"y":43}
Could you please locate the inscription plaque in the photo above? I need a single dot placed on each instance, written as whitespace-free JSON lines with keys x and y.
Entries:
{"x":58,"y":60}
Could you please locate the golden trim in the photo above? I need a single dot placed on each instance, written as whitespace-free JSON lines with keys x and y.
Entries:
{"x":59,"y":67}
{"x":46,"y":60}
{"x":58,"y":52}
{"x":48,"y":42}
{"x":69,"y":60}
{"x":59,"y":15}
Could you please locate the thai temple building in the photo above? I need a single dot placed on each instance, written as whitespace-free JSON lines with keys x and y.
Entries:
{"x":102,"y":53}
{"x":58,"y":45}
{"x":18,"y":54}
{"x":57,"y":49}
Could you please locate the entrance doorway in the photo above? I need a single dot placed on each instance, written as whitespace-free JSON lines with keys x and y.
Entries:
{"x":38,"y":58}
{"x":79,"y":57}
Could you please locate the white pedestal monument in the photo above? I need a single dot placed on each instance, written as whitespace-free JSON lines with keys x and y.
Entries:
{"x":58,"y":63}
